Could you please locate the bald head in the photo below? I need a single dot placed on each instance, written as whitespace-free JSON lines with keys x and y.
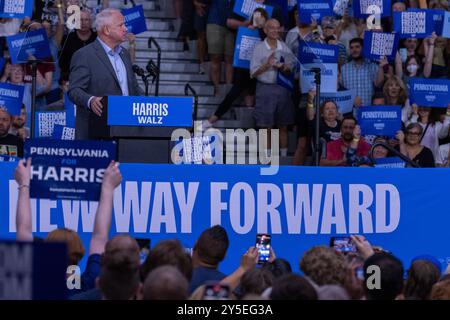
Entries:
{"x":272,"y":29}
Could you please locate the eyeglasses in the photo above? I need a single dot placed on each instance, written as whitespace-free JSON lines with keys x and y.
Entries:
{"x":413,"y":133}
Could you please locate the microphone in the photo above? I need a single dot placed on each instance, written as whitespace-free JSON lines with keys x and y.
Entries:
{"x":138,"y":70}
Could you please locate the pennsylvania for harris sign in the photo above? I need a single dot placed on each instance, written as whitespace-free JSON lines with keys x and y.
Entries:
{"x":150,"y":111}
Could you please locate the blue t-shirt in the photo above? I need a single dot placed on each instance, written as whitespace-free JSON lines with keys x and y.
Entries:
{"x":201,"y":275}
{"x":218,"y":12}
{"x":89,"y":275}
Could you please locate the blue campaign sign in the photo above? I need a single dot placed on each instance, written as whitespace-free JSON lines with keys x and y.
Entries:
{"x":245,"y":8}
{"x":150,"y":111}
{"x":24,"y":44}
{"x":33,"y":271}
{"x":11,"y":97}
{"x":446,"y":25}
{"x":378,"y":44}
{"x":429,"y":92}
{"x":68,"y":169}
{"x":344,"y":100}
{"x":414,"y":23}
{"x":135,"y":19}
{"x":46,"y":121}
{"x":8,"y":158}
{"x":16,"y":8}
{"x":364,"y":8}
{"x":316,"y":55}
{"x":299,"y":207}
{"x":246,"y":41}
{"x":380,"y":120}
{"x":314,"y":9}
{"x":438,"y":19}
{"x":63,"y":132}
{"x":389,"y":162}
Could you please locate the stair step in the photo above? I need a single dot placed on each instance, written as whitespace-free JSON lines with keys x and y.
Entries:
{"x":145,"y":55}
{"x":165,"y":44}
{"x":157,"y":34}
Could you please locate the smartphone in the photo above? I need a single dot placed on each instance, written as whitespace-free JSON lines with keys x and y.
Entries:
{"x":144,"y":248}
{"x":216,"y":291}
{"x":256,"y":18}
{"x":359,"y":273}
{"x":403,"y":54}
{"x":263,"y":245}
{"x":342,"y":244}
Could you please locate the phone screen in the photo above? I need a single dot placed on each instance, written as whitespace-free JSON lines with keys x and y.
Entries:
{"x":144,"y":248}
{"x":216,"y":291}
{"x":263,"y":245}
{"x":343,"y":244}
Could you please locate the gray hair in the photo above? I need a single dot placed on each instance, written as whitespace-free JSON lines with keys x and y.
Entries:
{"x":104,"y":18}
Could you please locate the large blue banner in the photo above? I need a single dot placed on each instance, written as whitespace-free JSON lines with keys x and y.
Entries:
{"x":150,"y":111}
{"x":380,"y":120}
{"x":16,"y":8}
{"x":23,"y":45}
{"x":300,"y":207}
{"x":316,"y":55}
{"x":11,"y":96}
{"x":246,"y":41}
{"x":68,"y":169}
{"x":362,"y":8}
{"x":135,"y":19}
{"x":344,"y":100}
{"x":245,"y":8}
{"x":429,"y":92}
{"x":314,"y":9}
{"x":378,"y":44}
{"x":446,"y":25}
{"x":414,"y":23}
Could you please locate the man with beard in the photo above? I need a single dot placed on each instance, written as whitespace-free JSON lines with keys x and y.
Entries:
{"x":10,"y":145}
{"x":18,"y":125}
{"x":350,"y":140}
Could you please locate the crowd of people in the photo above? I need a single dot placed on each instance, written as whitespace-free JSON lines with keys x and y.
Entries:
{"x":382,"y":82}
{"x":115,"y":270}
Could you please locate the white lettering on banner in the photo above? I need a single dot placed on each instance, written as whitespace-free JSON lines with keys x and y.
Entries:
{"x":382,"y":44}
{"x":132,"y":16}
{"x":9,"y":93}
{"x":67,"y":174}
{"x":247,"y":47}
{"x":366,"y":4}
{"x":304,"y":208}
{"x":314,"y":6}
{"x":379,"y":115}
{"x":319,"y":51}
{"x":69,"y":152}
{"x":14,"y":6}
{"x":27,"y":41}
{"x":431,"y":87}
{"x":150,"y":109}
{"x":414,"y":22}
{"x":16,"y":272}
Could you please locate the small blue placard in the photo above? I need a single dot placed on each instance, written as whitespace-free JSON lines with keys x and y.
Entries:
{"x":24,"y":44}
{"x":414,"y":23}
{"x":378,"y":44}
{"x":361,"y":7}
{"x":245,"y":8}
{"x":246,"y":41}
{"x":380,"y":120}
{"x":16,"y":8}
{"x":344,"y":100}
{"x":429,"y":92}
{"x":11,"y":97}
{"x":314,"y":9}
{"x":135,"y":19}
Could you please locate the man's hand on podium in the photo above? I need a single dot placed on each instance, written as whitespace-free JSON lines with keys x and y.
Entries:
{"x":96,"y":106}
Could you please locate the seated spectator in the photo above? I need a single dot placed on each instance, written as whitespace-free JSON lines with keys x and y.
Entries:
{"x":209,"y":250}
{"x":380,"y":151}
{"x":102,"y":223}
{"x":391,"y":277}
{"x":350,"y":140}
{"x":166,"y":283}
{"x":10,"y":145}
{"x":432,"y":128}
{"x":422,"y":275}
{"x":274,"y":105}
{"x":119,"y":276}
{"x":396,"y":94}
{"x":410,"y":146}
{"x":18,"y":127}
{"x":293,"y":287}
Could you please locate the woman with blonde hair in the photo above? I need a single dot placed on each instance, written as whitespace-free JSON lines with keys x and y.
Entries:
{"x":396,"y":94}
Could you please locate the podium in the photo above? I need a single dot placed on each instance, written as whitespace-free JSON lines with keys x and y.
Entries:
{"x":138,"y":143}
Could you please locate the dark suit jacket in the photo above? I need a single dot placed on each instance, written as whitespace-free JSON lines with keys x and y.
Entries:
{"x":91,"y":74}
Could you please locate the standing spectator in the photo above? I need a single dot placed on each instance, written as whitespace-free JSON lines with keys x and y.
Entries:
{"x":200,"y":21}
{"x":395,"y":93}
{"x":15,"y":74}
{"x":274,"y":104}
{"x":411,"y":147}
{"x":350,"y":140}
{"x":361,"y":75}
{"x":166,"y":283}
{"x":220,"y":42}
{"x":328,"y":25}
{"x":76,"y":40}
{"x":422,"y":275}
{"x":10,"y":145}
{"x":209,"y":250}
{"x":8,"y":27}
{"x":293,"y":287}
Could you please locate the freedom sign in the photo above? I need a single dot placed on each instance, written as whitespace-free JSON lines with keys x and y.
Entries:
{"x":314,"y":9}
{"x":365,"y":8}
{"x":414,"y":23}
{"x":11,"y":97}
{"x":378,"y":45}
{"x":245,"y":8}
{"x":47,"y":122}
{"x":16,"y":8}
{"x":135,"y":19}
{"x":150,"y":111}
{"x":299,"y":207}
{"x":68,"y":169}
{"x":429,"y":92}
{"x":246,"y":41}
{"x":316,"y":55}
{"x":24,"y":44}
{"x":380,"y":120}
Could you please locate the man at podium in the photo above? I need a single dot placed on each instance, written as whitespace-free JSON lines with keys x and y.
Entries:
{"x":102,"y":68}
